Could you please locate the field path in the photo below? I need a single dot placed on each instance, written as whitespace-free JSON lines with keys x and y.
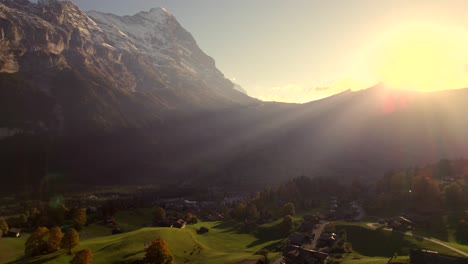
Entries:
{"x":433,"y":240}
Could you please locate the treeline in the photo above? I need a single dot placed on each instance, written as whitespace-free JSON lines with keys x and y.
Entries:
{"x":48,"y":215}
{"x":431,"y":189}
{"x":298,"y":194}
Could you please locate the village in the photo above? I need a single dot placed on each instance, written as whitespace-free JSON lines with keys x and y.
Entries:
{"x":300,"y":227}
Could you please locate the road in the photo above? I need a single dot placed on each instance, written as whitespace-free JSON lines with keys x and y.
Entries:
{"x":317,"y":233}
{"x":433,"y":240}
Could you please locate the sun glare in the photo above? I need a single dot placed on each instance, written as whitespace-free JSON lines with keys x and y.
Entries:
{"x":422,"y":57}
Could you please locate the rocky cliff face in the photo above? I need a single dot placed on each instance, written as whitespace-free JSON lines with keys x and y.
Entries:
{"x":100,"y":70}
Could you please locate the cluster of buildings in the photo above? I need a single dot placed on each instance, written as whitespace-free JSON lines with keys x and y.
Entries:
{"x":304,"y":245}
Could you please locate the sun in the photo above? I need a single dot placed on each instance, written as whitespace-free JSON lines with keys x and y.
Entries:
{"x":422,"y":57}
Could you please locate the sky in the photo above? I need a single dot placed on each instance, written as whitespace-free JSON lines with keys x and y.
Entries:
{"x":303,"y":50}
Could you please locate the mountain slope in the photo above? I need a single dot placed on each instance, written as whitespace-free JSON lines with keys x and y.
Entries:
{"x":107,"y":72}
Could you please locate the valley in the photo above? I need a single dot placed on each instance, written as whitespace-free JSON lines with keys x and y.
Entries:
{"x":122,"y":141}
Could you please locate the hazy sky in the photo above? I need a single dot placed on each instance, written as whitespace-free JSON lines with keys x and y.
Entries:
{"x":284,"y":50}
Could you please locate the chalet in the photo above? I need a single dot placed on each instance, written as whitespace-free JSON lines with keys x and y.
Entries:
{"x":327,"y":239}
{"x":179,"y":224}
{"x":295,"y":254}
{"x":420,"y":256}
{"x":400,"y":223}
{"x":14,"y":232}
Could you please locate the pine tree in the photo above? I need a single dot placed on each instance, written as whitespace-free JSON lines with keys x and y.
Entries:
{"x":70,"y":240}
{"x":55,"y":239}
{"x":158,"y":253}
{"x":35,"y":245}
{"x":84,"y":256}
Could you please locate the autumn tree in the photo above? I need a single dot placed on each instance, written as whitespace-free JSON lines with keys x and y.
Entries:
{"x":289,"y":209}
{"x":79,"y":218}
{"x":158,"y":253}
{"x":191,"y":218}
{"x":36,"y":245}
{"x":159,"y":215}
{"x":84,"y":256}
{"x":55,"y":239}
{"x":287,"y":225}
{"x":70,"y":240}
{"x":3,"y":226}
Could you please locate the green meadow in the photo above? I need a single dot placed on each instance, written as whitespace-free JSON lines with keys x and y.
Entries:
{"x":222,"y":244}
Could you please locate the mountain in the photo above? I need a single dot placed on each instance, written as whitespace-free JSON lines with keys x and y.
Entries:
{"x":100,"y":71}
{"x":103,"y":99}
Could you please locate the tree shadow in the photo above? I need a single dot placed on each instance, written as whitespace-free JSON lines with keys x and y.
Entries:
{"x":228,"y":227}
{"x":377,"y":243}
{"x":266,"y":234}
{"x":133,"y":254}
{"x":33,"y":260}
{"x":108,"y":246}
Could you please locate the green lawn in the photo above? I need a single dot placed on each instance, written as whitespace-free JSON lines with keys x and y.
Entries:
{"x":381,"y":243}
{"x":11,"y":248}
{"x":222,"y":244}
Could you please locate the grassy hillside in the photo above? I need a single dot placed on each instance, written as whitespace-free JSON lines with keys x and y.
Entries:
{"x":222,"y":244}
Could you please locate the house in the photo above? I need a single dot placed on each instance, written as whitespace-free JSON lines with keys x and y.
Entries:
{"x":400,"y":223}
{"x":300,"y":239}
{"x":14,"y":232}
{"x":421,"y":256}
{"x":297,"y":255}
{"x":179,"y":223}
{"x":327,"y":240}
